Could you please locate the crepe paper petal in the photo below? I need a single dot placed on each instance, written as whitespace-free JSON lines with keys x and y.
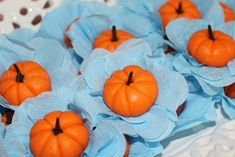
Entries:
{"x":180,"y":30}
{"x":198,"y":109}
{"x":131,"y":52}
{"x":173,"y":82}
{"x":104,"y":141}
{"x":22,"y":34}
{"x":38,"y":107}
{"x":227,"y":103}
{"x":67,"y":12}
{"x":210,"y":78}
{"x":84,"y":31}
{"x":142,"y":148}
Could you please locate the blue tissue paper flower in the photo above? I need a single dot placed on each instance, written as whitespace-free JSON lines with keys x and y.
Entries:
{"x":210,"y":79}
{"x":161,"y":118}
{"x":104,"y":139}
{"x":84,"y":32}
{"x":210,"y":10}
{"x":48,"y":53}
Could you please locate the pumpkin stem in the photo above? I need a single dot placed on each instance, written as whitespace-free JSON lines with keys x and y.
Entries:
{"x":20,"y":76}
{"x":9,"y":114}
{"x":211,"y":35}
{"x":57,"y":130}
{"x":179,"y":10}
{"x":129,"y":81}
{"x":114,"y":34}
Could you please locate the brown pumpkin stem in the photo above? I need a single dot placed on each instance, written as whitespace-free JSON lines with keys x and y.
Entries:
{"x":20,"y":76}
{"x":9,"y":114}
{"x":114,"y":34}
{"x":57,"y":130}
{"x":179,"y":10}
{"x":210,"y":31}
{"x":129,"y":81}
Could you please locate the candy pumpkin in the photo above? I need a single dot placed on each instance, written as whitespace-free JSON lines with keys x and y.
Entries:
{"x":7,"y":116}
{"x":67,"y":40}
{"x":230,"y":91}
{"x":174,"y":9}
{"x":229,"y":15}
{"x":24,"y":80}
{"x":180,"y":109}
{"x":111,"y":39}
{"x":212,"y":48}
{"x":131,"y":91}
{"x":59,"y":134}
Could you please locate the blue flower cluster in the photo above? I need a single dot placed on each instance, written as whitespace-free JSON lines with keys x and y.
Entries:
{"x":64,"y":45}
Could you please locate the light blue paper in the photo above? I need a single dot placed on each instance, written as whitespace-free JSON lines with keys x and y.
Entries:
{"x":133,"y":52}
{"x":210,"y":78}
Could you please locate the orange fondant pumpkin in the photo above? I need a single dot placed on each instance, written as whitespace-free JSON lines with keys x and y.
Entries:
{"x":131,"y":91}
{"x":24,"y":80}
{"x":230,"y":91}
{"x":7,"y":116}
{"x":174,"y":9}
{"x":111,"y":39}
{"x":180,"y":109}
{"x":59,"y":134}
{"x":229,"y":15}
{"x":212,"y":48}
{"x":67,"y":40}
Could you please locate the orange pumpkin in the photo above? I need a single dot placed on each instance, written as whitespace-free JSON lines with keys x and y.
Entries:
{"x":180,"y":109}
{"x":111,"y":39}
{"x":212,"y":48}
{"x":24,"y":80}
{"x":7,"y":116}
{"x":229,"y":15}
{"x":174,"y":9}
{"x":230,"y":91}
{"x":131,"y":91}
{"x":67,"y":40}
{"x":60,"y":134}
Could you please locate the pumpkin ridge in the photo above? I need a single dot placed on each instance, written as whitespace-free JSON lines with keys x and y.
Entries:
{"x":141,"y":92}
{"x":225,"y":47}
{"x":111,"y":84}
{"x":44,"y":145}
{"x":17,"y":91}
{"x":38,"y":77}
{"x":46,"y":130}
{"x":30,"y":89}
{"x":32,"y":69}
{"x":196,"y":47}
{"x":13,"y":84}
{"x":118,"y":77}
{"x":66,"y":127}
{"x":197,"y":52}
{"x":113,"y":100}
{"x":81,"y":145}
{"x":59,"y":148}
{"x":100,"y":41}
{"x":127,"y":99}
{"x":78,"y":144}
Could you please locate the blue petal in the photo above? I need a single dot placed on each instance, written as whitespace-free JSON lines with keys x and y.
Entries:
{"x":105,"y":140}
{"x":198,"y":109}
